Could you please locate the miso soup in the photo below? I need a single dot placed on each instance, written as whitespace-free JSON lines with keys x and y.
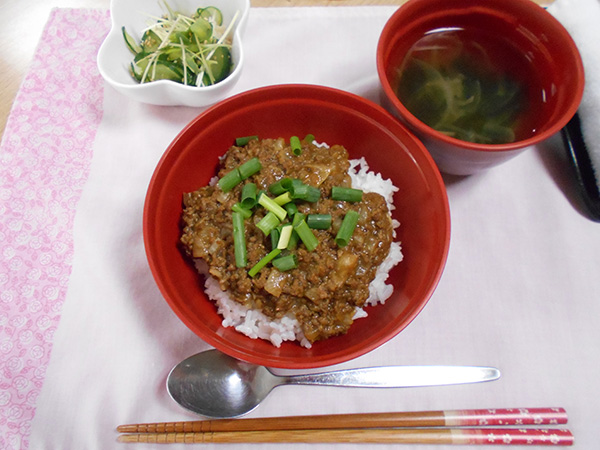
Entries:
{"x":469,"y":85}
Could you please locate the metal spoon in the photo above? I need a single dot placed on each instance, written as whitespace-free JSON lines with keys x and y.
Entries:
{"x":216,"y":385}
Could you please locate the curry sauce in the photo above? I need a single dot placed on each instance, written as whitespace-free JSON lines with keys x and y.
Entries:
{"x":330,"y":282}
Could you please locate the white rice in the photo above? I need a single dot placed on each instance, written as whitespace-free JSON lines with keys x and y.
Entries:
{"x":255,"y":324}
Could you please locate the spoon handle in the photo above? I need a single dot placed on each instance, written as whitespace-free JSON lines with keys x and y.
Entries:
{"x":398,"y":376}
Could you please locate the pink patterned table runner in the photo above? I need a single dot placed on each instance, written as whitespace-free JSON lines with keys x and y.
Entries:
{"x":44,"y":160}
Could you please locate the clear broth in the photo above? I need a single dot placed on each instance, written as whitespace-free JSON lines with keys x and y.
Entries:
{"x":471,"y":86}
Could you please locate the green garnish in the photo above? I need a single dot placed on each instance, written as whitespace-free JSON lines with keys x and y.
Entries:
{"x":235,"y":176}
{"x":347,"y":228}
{"x":309,"y":138}
{"x":296,"y":145}
{"x":306,"y":235}
{"x":268,"y":223}
{"x":274,"y":235}
{"x":281,"y":186}
{"x":319,"y":221}
{"x":291,"y":208}
{"x":287,"y":262}
{"x":239,"y":240}
{"x":283,"y":199}
{"x":270,"y":205}
{"x":241,"y":141}
{"x":263,"y":262}
{"x":249,"y":195}
{"x":247,"y":213}
{"x":284,"y":236}
{"x":346,"y":194}
{"x":230,"y":180}
{"x":249,"y":168}
{"x":306,"y":192}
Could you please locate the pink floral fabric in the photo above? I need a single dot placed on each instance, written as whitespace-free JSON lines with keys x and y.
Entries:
{"x":44,"y":160}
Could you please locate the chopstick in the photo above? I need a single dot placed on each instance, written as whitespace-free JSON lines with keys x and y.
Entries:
{"x":448,"y":418}
{"x":462,"y":436}
{"x":419,"y":427}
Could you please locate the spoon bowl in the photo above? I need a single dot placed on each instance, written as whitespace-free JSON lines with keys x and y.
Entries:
{"x":215,"y":385}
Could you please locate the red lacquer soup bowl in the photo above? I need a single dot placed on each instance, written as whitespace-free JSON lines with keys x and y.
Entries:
{"x":506,"y":45}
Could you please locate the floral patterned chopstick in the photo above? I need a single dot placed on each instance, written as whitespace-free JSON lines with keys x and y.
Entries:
{"x":424,"y":427}
{"x":450,"y":418}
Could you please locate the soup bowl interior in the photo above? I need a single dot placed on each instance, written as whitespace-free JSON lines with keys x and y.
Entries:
{"x":540,"y":54}
{"x":334,"y":117}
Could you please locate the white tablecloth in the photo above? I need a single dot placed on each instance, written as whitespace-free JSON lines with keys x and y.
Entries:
{"x":87,"y":340}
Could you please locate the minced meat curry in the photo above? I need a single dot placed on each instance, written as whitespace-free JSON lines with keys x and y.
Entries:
{"x":323,"y":291}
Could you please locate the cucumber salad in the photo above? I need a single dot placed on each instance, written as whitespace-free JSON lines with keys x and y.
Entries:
{"x":194,"y":49}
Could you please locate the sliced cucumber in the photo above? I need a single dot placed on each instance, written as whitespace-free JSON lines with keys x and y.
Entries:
{"x":222,"y":56}
{"x":219,"y":66}
{"x":166,"y":71}
{"x":150,"y":41}
{"x":173,"y":53}
{"x":189,"y":61}
{"x":181,"y":36}
{"x":131,"y":44}
{"x":140,"y":56}
{"x":136,"y":72}
{"x":213,"y":15}
{"x":202,"y":29}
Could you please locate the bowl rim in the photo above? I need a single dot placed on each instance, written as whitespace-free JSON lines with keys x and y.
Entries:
{"x":292,"y":91}
{"x":535,"y":11}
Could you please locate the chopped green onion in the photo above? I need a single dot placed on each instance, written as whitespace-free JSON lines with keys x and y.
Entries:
{"x":291,"y":208}
{"x":286,"y":262}
{"x":249,"y":195}
{"x":281,"y":186}
{"x":268,"y":223}
{"x":241,"y":141}
{"x":294,"y":237}
{"x":309,"y":138}
{"x":271,"y":206}
{"x":298,"y":217}
{"x":277,"y":188}
{"x":347,"y":228}
{"x":283,"y":199}
{"x":259,"y":193}
{"x":239,"y":240}
{"x":319,"y":221}
{"x":230,"y":180}
{"x":243,"y":211}
{"x":305,"y":234}
{"x":296,"y":146}
{"x":263,"y":262}
{"x":293,"y":240}
{"x":249,"y":168}
{"x":306,"y":193}
{"x":284,"y":236}
{"x":346,"y":194}
{"x":274,"y":235}
{"x":234,"y":177}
